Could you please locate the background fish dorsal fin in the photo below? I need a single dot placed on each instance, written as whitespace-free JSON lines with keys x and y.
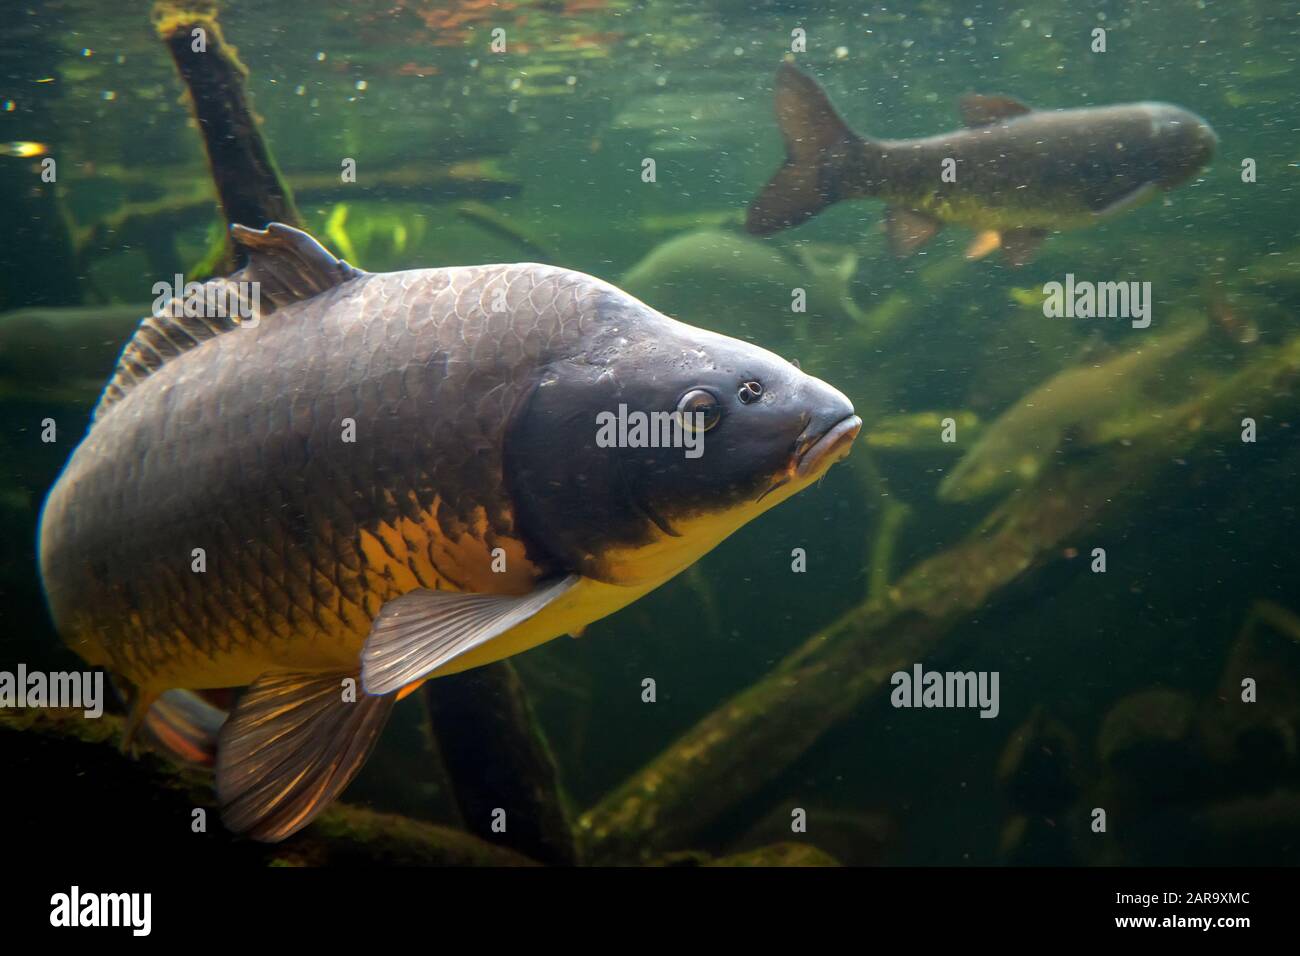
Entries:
{"x":288,"y":266}
{"x":979,"y":110}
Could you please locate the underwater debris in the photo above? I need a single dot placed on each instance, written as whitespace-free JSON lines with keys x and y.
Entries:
{"x":1150,"y":742}
{"x":337,"y":233}
{"x":918,"y":431}
{"x":495,"y":224}
{"x":1040,"y":774}
{"x":505,"y":762}
{"x":249,"y":186}
{"x":779,"y":854}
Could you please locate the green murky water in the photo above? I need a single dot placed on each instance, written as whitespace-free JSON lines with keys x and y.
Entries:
{"x":1119,"y":690}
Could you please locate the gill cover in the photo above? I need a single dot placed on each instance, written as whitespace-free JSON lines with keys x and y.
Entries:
{"x":571,"y":497}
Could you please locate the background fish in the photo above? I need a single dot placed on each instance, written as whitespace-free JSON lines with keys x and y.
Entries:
{"x":1084,"y":401}
{"x":1019,"y":173}
{"x":474,"y":515}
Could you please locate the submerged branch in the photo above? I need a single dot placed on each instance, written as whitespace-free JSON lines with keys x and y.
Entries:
{"x":754,"y":737}
{"x":504,"y":764}
{"x":249,"y":186}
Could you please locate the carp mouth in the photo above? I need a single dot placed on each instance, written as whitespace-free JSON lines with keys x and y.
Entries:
{"x":816,"y":453}
{"x":820,"y":452}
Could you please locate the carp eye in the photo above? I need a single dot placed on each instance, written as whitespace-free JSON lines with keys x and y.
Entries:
{"x":751,"y":392}
{"x":702,"y":403}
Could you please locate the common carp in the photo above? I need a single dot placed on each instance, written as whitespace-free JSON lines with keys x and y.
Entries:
{"x":1014,"y":173}
{"x":1089,"y":402}
{"x":390,"y":477}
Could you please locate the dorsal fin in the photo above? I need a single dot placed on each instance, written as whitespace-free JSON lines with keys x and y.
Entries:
{"x":287,"y":266}
{"x":978,"y":110}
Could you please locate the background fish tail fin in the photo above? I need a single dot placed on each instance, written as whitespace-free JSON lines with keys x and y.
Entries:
{"x":292,"y":744}
{"x":820,"y":155}
{"x":185,"y":724}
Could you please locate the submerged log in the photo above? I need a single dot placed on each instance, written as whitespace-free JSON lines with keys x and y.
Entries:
{"x":249,"y":186}
{"x":753,"y":738}
{"x":137,"y":223}
{"x":67,"y":780}
{"x":502,"y":762}
{"x":778,"y":854}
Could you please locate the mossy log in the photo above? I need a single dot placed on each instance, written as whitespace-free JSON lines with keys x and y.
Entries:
{"x":503,"y":763}
{"x":753,"y":738}
{"x":778,"y":854}
{"x":185,"y":204}
{"x":67,"y":780}
{"x":249,"y":186}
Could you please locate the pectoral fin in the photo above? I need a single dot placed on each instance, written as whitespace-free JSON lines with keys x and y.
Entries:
{"x":293,"y":742}
{"x":422,"y":630}
{"x":983,"y":244}
{"x":1019,"y":246}
{"x":908,"y":230}
{"x":185,"y":724}
{"x":1134,"y":197}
